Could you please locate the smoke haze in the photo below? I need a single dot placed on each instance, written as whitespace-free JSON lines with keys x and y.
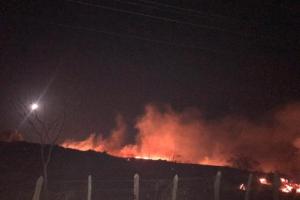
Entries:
{"x":272,"y":142}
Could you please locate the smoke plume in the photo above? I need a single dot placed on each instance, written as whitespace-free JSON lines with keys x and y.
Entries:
{"x":271,"y":143}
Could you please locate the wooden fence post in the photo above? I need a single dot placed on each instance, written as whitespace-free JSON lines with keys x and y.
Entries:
{"x":276,"y":185}
{"x":175,"y":185}
{"x":217,"y":186}
{"x":38,"y":188}
{"x":248,"y":188}
{"x":136,"y":185}
{"x":89,"y":193}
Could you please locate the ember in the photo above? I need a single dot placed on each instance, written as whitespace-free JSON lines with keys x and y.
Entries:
{"x":264,"y":181}
{"x":285,"y":187}
{"x":242,"y":187}
{"x":290,"y":187}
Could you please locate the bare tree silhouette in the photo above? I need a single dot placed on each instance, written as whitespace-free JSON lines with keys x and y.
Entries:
{"x":47,"y":132}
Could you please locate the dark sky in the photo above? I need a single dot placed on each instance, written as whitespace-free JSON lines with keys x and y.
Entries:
{"x":103,"y":58}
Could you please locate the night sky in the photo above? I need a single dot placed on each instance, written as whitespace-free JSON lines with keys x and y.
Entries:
{"x":98,"y":59}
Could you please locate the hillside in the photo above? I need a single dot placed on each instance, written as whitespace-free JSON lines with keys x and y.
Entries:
{"x":112,"y":177}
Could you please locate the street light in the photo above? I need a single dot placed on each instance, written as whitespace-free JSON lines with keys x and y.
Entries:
{"x":34,"y":106}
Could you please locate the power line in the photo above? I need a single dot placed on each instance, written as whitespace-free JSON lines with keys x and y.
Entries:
{"x":160,"y":6}
{"x":195,"y":12}
{"x":157,"y":17}
{"x":201,"y":12}
{"x":114,"y":34}
{"x":137,"y":37}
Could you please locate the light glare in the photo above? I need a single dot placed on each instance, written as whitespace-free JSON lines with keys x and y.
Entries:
{"x":34,"y":106}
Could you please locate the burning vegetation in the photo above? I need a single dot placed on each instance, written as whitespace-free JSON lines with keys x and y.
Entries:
{"x":269,"y":144}
{"x":285,"y":186}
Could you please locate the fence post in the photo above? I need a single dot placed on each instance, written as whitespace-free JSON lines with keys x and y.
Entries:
{"x":89,"y":194}
{"x":38,"y":188}
{"x":248,"y":188}
{"x":217,"y":186}
{"x":276,"y":185}
{"x":136,"y":185}
{"x":175,"y":185}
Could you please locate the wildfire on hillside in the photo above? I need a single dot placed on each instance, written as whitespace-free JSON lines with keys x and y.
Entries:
{"x":186,"y":137}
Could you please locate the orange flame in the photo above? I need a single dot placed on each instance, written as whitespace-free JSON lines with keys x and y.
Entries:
{"x":285,"y":187}
{"x":166,"y":136}
{"x":186,"y":137}
{"x":264,"y":181}
{"x":84,"y":145}
{"x":290,"y":187}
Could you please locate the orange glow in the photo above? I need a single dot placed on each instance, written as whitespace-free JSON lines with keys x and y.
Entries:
{"x":161,"y":136}
{"x":284,"y":180}
{"x":84,"y":145}
{"x":187,"y":137}
{"x":285,"y":187}
{"x":151,"y":158}
{"x":264,"y":181}
{"x":214,"y":162}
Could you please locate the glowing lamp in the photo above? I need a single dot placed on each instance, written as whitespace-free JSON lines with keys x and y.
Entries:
{"x":34,"y":106}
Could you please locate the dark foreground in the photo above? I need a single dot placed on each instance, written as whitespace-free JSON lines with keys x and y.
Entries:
{"x":112,"y":178}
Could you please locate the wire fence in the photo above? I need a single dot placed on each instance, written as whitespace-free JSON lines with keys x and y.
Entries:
{"x":213,"y":187}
